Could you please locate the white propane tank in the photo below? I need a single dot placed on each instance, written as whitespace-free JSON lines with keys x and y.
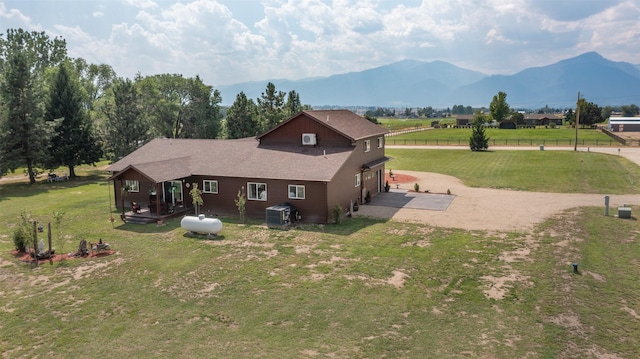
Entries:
{"x":201,"y":224}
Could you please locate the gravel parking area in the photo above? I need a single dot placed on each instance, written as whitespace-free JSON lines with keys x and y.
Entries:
{"x":487,"y":209}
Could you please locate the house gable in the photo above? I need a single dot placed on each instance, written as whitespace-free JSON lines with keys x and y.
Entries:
{"x":331,"y":128}
{"x":290,"y":134}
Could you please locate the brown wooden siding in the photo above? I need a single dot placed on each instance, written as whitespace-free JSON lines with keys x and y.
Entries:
{"x":291,"y":134}
{"x":141,"y":197}
{"x":342,"y":190}
{"x":312,"y":208}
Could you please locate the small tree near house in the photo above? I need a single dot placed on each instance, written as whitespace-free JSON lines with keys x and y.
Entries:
{"x":196,"y":197}
{"x":241,"y":202}
{"x":478,"y":140}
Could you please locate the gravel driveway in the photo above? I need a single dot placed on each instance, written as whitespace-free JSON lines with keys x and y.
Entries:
{"x":494,"y":209}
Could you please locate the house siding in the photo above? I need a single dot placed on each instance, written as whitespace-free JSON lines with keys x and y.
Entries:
{"x":342,"y":190}
{"x":312,"y":208}
{"x":141,"y":197}
{"x":291,"y":132}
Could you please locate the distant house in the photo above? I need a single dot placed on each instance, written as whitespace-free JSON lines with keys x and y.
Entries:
{"x":464,"y":120}
{"x":624,"y":124}
{"x":507,"y":124}
{"x":312,"y":161}
{"x":543,"y":119}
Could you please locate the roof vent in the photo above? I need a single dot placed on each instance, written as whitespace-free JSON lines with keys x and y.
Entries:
{"x":309,"y":139}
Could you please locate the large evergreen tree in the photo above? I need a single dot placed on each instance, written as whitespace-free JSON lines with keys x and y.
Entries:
{"x":74,"y":142}
{"x":23,"y":135}
{"x":271,"y":107}
{"x":293,"y":104}
{"x":24,"y":58}
{"x":242,"y":118}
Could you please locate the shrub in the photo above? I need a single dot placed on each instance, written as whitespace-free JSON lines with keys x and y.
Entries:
{"x":337,"y":214}
{"x":23,"y":234}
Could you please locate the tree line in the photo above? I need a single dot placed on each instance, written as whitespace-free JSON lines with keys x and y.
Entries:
{"x":61,"y":111}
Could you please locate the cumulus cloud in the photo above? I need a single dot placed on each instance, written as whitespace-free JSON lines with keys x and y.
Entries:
{"x":306,"y":38}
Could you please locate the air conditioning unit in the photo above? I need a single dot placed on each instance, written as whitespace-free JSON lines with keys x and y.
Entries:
{"x":309,"y":139}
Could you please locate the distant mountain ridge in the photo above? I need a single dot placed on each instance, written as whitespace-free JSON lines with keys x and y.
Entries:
{"x":439,"y":84}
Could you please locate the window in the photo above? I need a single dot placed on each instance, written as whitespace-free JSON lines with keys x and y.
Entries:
{"x":357,"y":180}
{"x":132,"y":185}
{"x":296,"y":191}
{"x":209,"y":186}
{"x":380,"y":142}
{"x":257,"y":191}
{"x":367,"y":145}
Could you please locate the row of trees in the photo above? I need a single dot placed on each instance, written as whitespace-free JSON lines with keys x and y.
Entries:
{"x":499,"y":110}
{"x":409,"y":112}
{"x":590,"y":113}
{"x":58,"y":111}
{"x":247,"y":118}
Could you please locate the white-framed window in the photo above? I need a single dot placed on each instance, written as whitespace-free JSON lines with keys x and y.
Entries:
{"x":367,"y":145}
{"x":257,"y":191}
{"x":296,"y":191}
{"x":357,"y":180}
{"x":132,"y":185}
{"x":380,"y":142}
{"x":209,"y":186}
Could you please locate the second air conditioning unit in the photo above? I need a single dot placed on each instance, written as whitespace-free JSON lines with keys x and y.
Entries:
{"x":309,"y":139}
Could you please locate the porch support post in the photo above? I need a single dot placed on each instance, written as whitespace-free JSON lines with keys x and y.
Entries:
{"x":158,"y":200}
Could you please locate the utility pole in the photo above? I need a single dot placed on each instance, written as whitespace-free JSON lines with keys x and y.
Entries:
{"x":575,"y":147}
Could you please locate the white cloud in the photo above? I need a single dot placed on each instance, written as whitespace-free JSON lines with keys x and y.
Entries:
{"x":305,"y":38}
{"x":142,"y":4}
{"x":16,"y":16}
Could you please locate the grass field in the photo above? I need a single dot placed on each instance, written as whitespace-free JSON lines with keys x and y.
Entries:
{"x":540,"y":171}
{"x":563,"y":136}
{"x":363,"y":289}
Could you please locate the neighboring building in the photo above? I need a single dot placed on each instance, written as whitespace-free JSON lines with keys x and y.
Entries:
{"x":464,"y":120}
{"x":543,"y":119}
{"x":312,"y":161}
{"x":624,"y":124}
{"x":508,"y":125}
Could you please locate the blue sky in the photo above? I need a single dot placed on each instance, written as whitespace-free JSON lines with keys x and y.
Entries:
{"x":233,"y":41}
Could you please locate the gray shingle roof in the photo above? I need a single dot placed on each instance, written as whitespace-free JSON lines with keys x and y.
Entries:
{"x":165,"y":159}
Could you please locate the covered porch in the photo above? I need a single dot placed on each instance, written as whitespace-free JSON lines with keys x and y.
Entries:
{"x":149,"y":193}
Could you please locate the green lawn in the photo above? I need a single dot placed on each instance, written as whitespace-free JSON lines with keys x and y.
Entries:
{"x":562,"y":136}
{"x":395,"y":124}
{"x":363,"y":289}
{"x":543,"y":171}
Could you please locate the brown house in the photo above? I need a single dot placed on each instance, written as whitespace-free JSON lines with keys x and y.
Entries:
{"x":312,"y":162}
{"x":543,"y":119}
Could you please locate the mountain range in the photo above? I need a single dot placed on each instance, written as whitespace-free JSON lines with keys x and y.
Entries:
{"x":412,"y":83}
